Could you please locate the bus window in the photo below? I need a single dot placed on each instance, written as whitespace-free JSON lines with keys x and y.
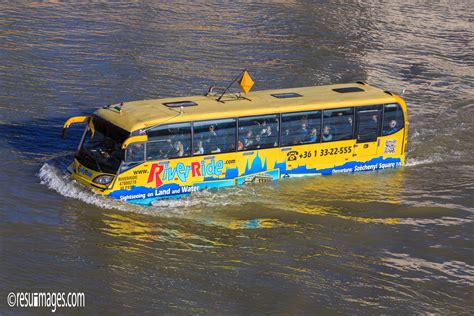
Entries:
{"x":337,"y":124}
{"x":135,"y":152}
{"x":300,"y":128}
{"x":169,"y":141}
{"x":134,"y":155}
{"x":101,"y":149}
{"x":258,"y":132}
{"x":368,"y":123}
{"x":216,"y":136}
{"x":392,"y":118}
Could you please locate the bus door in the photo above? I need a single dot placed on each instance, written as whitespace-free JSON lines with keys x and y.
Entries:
{"x":367,"y":130}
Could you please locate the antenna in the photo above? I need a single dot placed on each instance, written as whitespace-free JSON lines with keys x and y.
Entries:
{"x":403,"y":91}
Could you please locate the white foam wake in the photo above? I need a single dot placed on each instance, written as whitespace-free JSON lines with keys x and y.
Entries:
{"x":416,"y":162}
{"x":54,"y":176}
{"x":51,"y":176}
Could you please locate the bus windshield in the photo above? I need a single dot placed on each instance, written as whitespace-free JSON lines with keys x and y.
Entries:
{"x":101,"y":149}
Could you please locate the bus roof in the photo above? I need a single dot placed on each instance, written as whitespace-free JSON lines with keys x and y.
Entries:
{"x":146,"y":113}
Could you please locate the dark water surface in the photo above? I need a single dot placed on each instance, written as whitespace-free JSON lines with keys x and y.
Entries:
{"x":385,"y":242}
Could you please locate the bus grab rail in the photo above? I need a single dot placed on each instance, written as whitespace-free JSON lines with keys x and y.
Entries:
{"x":134,"y":139}
{"x":74,"y":120}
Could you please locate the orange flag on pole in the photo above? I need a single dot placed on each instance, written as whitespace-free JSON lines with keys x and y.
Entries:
{"x":246,"y":83}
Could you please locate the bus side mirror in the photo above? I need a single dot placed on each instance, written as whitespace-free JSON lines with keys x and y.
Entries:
{"x":74,"y":120}
{"x":134,"y":139}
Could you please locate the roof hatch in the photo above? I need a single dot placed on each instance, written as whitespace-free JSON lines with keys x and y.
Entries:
{"x":286,"y":95}
{"x":178,"y":104}
{"x":348,"y":90}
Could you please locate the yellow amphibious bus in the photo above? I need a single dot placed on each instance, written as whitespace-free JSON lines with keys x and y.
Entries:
{"x":145,"y":150}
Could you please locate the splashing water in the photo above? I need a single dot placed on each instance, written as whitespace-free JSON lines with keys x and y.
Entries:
{"x":54,"y":175}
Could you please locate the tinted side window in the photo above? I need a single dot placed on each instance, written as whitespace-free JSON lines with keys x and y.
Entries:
{"x":169,"y":141}
{"x":392,"y":119}
{"x":134,"y":155}
{"x":135,"y":152}
{"x":300,"y":128}
{"x":216,"y":136}
{"x":368,"y":122}
{"x":258,"y":132}
{"x":337,"y":124}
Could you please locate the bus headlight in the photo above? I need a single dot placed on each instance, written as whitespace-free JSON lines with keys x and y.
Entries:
{"x":104,"y":179}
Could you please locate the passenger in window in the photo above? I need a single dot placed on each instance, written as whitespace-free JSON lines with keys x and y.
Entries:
{"x":349,"y":120}
{"x":258,"y":142}
{"x":248,"y":139}
{"x":270,"y":138}
{"x":262,"y":128}
{"x":392,"y":127}
{"x":312,"y":137}
{"x":116,"y":152}
{"x":199,"y":150}
{"x":212,"y":131}
{"x":108,"y":149}
{"x":168,"y":150}
{"x":302,"y":134}
{"x":286,"y":137}
{"x":135,"y":152}
{"x":179,"y":149}
{"x":304,"y":119}
{"x":375,"y":119}
{"x":345,"y":129}
{"x":327,"y":135}
{"x":373,"y":123}
{"x":210,"y":136}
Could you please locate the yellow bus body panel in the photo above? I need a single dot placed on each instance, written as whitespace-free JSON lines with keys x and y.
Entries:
{"x":176,"y":177}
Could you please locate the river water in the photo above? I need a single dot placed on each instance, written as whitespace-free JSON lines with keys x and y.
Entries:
{"x":383,"y":242}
